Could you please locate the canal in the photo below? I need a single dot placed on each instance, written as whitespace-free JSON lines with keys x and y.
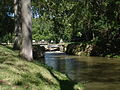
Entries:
{"x":96,"y":73}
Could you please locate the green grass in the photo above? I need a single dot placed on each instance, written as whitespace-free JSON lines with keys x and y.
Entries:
{"x":19,"y":74}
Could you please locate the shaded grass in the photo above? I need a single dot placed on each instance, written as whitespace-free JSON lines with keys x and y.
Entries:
{"x":19,"y":74}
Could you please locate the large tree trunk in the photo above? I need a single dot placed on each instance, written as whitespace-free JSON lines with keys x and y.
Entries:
{"x":26,"y":49}
{"x":17,"y":38}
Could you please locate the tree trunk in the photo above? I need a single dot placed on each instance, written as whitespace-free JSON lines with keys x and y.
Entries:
{"x":17,"y":38}
{"x":26,"y":49}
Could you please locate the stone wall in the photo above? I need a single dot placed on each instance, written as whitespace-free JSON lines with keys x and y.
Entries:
{"x":80,"y":49}
{"x":38,"y":51}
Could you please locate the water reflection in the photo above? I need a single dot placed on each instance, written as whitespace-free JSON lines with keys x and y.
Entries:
{"x":95,"y":72}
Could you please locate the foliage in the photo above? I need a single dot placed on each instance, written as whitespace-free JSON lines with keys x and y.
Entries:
{"x":83,"y":20}
{"x":42,"y":29}
{"x":56,"y":14}
{"x":6,"y":22}
{"x":95,"y":21}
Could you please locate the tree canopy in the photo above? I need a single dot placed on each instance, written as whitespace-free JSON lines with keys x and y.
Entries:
{"x":95,"y":21}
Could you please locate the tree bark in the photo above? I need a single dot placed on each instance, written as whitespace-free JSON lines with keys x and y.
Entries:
{"x":17,"y":31}
{"x":26,"y":49}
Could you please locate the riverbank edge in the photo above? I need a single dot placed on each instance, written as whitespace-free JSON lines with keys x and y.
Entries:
{"x":90,"y":49}
{"x":19,"y":74}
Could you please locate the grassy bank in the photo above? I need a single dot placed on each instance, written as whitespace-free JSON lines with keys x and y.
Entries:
{"x":19,"y":74}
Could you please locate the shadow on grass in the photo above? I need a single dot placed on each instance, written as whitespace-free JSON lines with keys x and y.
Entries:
{"x":10,"y":47}
{"x":2,"y":60}
{"x":64,"y":84}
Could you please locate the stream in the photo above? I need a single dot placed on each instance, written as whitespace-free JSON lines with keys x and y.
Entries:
{"x":96,"y":73}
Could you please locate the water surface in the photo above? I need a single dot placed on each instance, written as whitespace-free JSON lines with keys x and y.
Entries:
{"x":96,"y":73}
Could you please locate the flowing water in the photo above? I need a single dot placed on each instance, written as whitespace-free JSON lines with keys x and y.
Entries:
{"x":96,"y":73}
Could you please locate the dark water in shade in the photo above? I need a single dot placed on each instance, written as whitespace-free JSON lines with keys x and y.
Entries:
{"x":96,"y":73}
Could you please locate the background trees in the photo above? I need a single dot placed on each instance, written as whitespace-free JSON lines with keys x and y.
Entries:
{"x":6,"y":20}
{"x":95,"y":21}
{"x":42,"y":29}
{"x":83,"y":20}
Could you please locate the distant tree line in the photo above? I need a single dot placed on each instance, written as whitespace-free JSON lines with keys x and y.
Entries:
{"x":96,"y":21}
{"x":82,"y":20}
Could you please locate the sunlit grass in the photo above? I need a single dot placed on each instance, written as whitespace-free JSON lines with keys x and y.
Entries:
{"x":19,"y":74}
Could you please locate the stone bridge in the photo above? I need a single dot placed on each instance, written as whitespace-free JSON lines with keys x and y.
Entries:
{"x":52,"y":47}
